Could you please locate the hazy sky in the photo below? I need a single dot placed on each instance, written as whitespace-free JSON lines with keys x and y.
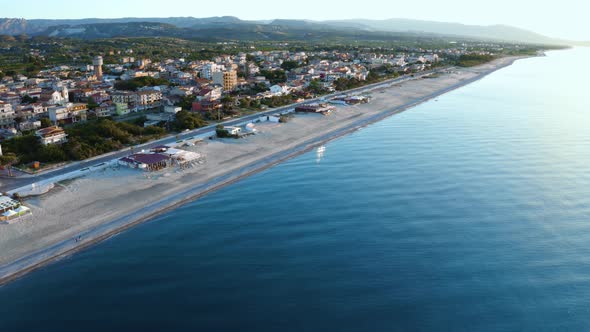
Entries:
{"x":563,"y":19}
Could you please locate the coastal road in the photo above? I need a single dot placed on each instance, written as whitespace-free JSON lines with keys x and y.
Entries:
{"x":8,"y":184}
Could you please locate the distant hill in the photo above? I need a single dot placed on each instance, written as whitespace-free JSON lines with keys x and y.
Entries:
{"x":229,"y":27}
{"x":495,"y":32}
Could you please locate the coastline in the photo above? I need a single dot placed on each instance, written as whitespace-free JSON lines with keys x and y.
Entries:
{"x":200,"y":186}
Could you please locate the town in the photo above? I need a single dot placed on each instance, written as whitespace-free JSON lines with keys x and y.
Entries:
{"x":121,"y":99}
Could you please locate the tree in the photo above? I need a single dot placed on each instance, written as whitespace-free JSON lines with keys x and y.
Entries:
{"x":228,"y":102}
{"x":290,"y":65}
{"x":7,"y":160}
{"x":186,"y":120}
{"x":91,"y":103}
{"x":45,"y":122}
{"x":28,"y":99}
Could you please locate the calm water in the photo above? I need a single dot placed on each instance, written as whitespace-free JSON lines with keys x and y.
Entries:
{"x":470,"y":213}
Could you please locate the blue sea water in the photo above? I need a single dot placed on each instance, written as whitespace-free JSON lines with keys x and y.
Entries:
{"x":467,"y":213}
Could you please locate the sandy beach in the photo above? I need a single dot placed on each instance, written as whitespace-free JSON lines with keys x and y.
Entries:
{"x":80,"y":212}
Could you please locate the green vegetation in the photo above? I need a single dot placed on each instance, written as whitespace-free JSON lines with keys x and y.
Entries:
{"x":7,"y":160}
{"x":187,"y":120}
{"x":470,"y":60}
{"x":139,"y":82}
{"x":275,"y":76}
{"x":221,"y":132}
{"x":85,"y":140}
{"x":290,"y":65}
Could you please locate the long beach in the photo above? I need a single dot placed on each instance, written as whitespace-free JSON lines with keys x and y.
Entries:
{"x":90,"y":209}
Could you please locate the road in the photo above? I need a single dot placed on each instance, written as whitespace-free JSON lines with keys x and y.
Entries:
{"x":8,"y":184}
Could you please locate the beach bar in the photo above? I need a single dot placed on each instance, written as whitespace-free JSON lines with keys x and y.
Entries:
{"x":146,"y":161}
{"x":315,"y":108}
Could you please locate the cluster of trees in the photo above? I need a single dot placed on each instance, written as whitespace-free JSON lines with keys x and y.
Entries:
{"x":139,"y":82}
{"x":278,"y":101}
{"x":187,"y":120}
{"x":316,"y":88}
{"x":85,"y":140}
{"x":470,"y":60}
{"x":290,"y":65}
{"x":275,"y":76}
{"x":342,"y":84}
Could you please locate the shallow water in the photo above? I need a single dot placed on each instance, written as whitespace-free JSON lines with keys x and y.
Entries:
{"x":471,"y":212}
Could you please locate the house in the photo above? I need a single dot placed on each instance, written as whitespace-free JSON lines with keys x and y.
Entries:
{"x":233,"y":130}
{"x":29,"y":125}
{"x":172,"y":109}
{"x":71,"y":113}
{"x":206,"y":105}
{"x":209,"y":94}
{"x":51,"y":135}
{"x":146,"y":161}
{"x":122,"y":108}
{"x":279,"y":89}
{"x":102,"y":111}
{"x":6,"y":115}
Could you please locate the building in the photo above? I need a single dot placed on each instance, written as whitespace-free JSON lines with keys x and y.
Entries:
{"x":51,"y":135}
{"x":227,"y":79}
{"x":122,"y":109}
{"x":172,"y":109}
{"x":140,"y":100}
{"x":6,"y":115}
{"x":208,"y":70}
{"x":11,"y":209}
{"x":60,"y":96}
{"x":233,"y":130}
{"x":315,"y":108}
{"x":71,"y":113}
{"x":148,"y":99}
{"x":146,"y":161}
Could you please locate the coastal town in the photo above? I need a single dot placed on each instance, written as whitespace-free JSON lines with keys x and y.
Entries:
{"x":122,"y":137}
{"x":64,"y":95}
{"x":45,"y":116}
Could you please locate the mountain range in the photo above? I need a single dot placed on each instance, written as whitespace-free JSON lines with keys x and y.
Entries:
{"x":233,"y":28}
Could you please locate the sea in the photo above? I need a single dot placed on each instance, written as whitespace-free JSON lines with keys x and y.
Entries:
{"x":470,"y":212}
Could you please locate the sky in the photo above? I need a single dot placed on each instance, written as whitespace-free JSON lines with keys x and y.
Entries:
{"x":566,"y":19}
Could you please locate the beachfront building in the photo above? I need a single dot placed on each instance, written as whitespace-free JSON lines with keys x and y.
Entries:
{"x":146,"y":161}
{"x":233,"y":130}
{"x":315,"y":108}
{"x":11,"y":210}
{"x":51,"y":135}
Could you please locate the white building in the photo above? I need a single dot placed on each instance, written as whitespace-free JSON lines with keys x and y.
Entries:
{"x":51,"y":135}
{"x":278,"y":90}
{"x":233,"y":130}
{"x":209,"y":69}
{"x":6,"y":115}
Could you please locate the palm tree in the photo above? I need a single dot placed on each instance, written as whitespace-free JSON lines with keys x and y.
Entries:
{"x":8,"y":160}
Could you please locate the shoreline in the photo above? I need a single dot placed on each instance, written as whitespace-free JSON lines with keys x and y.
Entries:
{"x":66,"y":247}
